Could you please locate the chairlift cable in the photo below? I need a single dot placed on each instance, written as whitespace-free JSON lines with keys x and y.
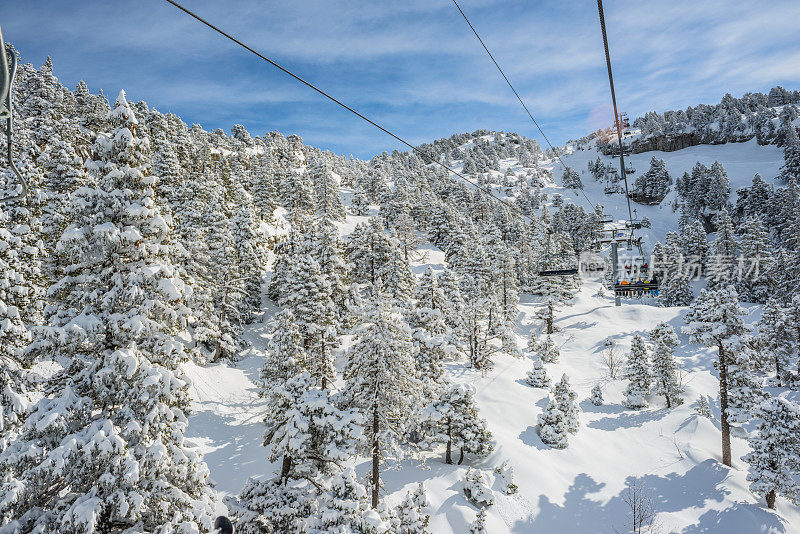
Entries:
{"x":616,"y":116}
{"x":491,"y":56}
{"x":345,"y":106}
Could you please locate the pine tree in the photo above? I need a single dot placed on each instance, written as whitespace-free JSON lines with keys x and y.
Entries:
{"x":309,"y":298}
{"x":674,"y":287}
{"x":754,"y":264}
{"x":597,"y":395}
{"x":120,"y":405}
{"x":665,"y":374}
{"x":411,"y":512}
{"x":538,"y":376}
{"x":702,"y":408}
{"x":552,"y":426}
{"x":652,"y":186}
{"x":774,"y":462}
{"x":745,"y":389}
{"x":547,"y":314}
{"x":328,"y":200}
{"x":327,"y":249}
{"x":715,"y":320}
{"x":380,"y":380}
{"x":571,"y":179}
{"x":285,"y":355}
{"x":639,"y":375}
{"x":305,"y":431}
{"x":359,"y":205}
{"x":791,"y":156}
{"x":453,"y":420}
{"x":342,"y":508}
{"x":479,"y":525}
{"x":565,"y":398}
{"x":775,"y":340}
{"x":546,"y":351}
{"x":724,"y":250}
{"x":719,"y":188}
{"x":265,"y":506}
{"x":477,"y":488}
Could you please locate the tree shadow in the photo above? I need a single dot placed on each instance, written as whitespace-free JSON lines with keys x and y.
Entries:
{"x":530,"y":437}
{"x":587,"y":406}
{"x":628,"y":418}
{"x":580,"y":514}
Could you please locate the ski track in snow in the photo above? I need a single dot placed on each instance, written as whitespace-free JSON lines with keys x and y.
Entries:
{"x":675,"y":454}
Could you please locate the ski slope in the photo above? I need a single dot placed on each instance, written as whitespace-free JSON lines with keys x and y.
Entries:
{"x":674,"y":453}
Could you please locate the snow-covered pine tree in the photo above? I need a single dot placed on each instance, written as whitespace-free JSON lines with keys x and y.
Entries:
{"x":745,"y":388}
{"x":265,"y":506}
{"x":652,"y":186}
{"x":538,"y":376}
{"x":547,"y":314}
{"x":791,"y":156}
{"x":665,"y":372}
{"x":674,"y":287}
{"x":597,"y":395}
{"x":380,"y":380}
{"x":411,"y":512}
{"x":342,"y":507}
{"x":639,"y":375}
{"x":723,"y":252}
{"x":715,"y":320}
{"x":306,"y":431}
{"x":328,"y":200}
{"x":753,"y":284}
{"x":775,"y":340}
{"x":571,"y":179}
{"x":774,"y":461}
{"x":702,"y":408}
{"x":327,"y":248}
{"x":433,"y":338}
{"x":719,"y":188}
{"x":552,"y":425}
{"x":108,"y":449}
{"x":566,"y":399}
{"x":479,"y":525}
{"x":285,"y":355}
{"x":547,"y":351}
{"x":477,"y":488}
{"x":453,"y":420}
{"x":309,"y":298}
{"x":359,"y":205}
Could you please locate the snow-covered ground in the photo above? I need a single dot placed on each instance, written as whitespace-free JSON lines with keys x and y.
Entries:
{"x":673,"y":453}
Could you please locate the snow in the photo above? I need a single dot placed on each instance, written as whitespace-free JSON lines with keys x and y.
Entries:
{"x":674,"y":454}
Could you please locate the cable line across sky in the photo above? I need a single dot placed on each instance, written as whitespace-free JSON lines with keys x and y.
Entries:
{"x":510,"y":85}
{"x":477,"y":186}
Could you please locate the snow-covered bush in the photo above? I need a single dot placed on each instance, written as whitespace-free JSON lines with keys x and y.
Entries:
{"x":597,"y":395}
{"x":506,"y":473}
{"x":477,"y":488}
{"x":552,"y":426}
{"x":538,"y":376}
{"x":411,"y":512}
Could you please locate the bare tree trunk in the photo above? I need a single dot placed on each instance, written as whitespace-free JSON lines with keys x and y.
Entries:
{"x":448,"y":459}
{"x":286,"y":466}
{"x":723,"y":400}
{"x":376,"y":475}
{"x":771,"y":500}
{"x":666,"y":394}
{"x":461,"y":456}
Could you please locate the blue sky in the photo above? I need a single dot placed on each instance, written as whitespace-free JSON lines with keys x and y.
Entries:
{"x":412,"y":65}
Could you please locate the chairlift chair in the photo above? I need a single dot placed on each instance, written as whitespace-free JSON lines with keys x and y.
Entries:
{"x":8,"y":69}
{"x":545,"y":265}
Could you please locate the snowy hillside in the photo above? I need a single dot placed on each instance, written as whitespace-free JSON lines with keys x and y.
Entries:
{"x":196,"y":324}
{"x":673,"y":453}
